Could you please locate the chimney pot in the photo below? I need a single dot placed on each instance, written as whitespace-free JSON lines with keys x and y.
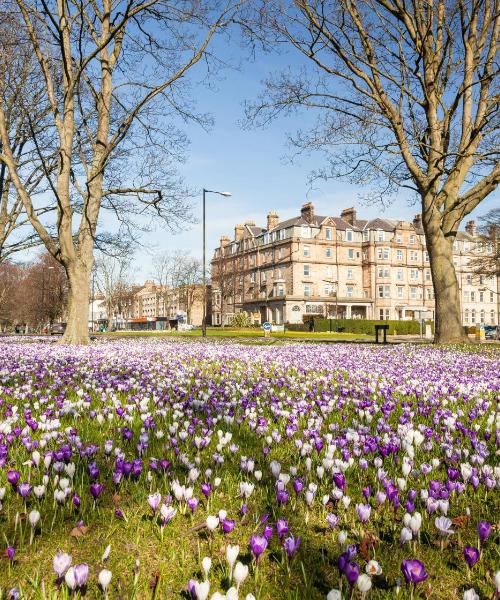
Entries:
{"x":349,"y":215}
{"x":272,"y":220}
{"x":307,"y":212}
{"x":239,"y":230}
{"x":470,"y":228}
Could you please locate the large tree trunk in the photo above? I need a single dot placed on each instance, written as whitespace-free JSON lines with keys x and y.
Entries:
{"x":448,"y":318}
{"x":77,"y":328}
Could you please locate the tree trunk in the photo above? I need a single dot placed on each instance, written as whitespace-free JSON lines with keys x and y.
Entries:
{"x":448,"y":317}
{"x":77,"y":328}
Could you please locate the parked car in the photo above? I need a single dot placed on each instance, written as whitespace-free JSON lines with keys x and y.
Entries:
{"x":491,"y":332}
{"x":57,"y":328}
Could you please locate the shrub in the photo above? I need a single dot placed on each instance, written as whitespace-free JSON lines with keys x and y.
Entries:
{"x":240,"y":320}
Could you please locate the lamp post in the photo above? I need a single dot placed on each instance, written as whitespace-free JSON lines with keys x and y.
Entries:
{"x":204,"y":322}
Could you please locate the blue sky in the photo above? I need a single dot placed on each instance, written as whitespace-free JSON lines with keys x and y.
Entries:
{"x":253,"y":166}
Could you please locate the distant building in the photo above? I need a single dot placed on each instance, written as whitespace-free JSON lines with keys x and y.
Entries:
{"x":340,"y":266}
{"x":149,"y":306}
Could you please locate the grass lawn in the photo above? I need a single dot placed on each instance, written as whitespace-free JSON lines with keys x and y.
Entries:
{"x":252,"y":333}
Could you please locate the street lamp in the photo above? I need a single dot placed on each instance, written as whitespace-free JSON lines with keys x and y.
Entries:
{"x":204,"y":322}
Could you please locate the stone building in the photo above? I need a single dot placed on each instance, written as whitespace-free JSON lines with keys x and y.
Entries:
{"x":340,"y":266}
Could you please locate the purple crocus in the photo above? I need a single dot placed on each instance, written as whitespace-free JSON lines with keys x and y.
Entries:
{"x":339,"y":481}
{"x":282,"y":527}
{"x":351,"y":572}
{"x":471,"y":555}
{"x":13,"y":477}
{"x":258,"y":544}
{"x":484,"y":530}
{"x":96,"y":489}
{"x":413,"y":571}
{"x":24,"y":489}
{"x":268,"y":532}
{"x":291,"y":545}
{"x":10,"y":552}
{"x":228,"y":525}
{"x":206,"y":489}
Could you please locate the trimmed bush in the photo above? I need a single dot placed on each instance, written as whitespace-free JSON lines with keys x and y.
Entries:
{"x":367,"y":326}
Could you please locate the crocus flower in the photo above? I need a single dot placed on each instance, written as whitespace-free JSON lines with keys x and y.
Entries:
{"x":443,"y":525}
{"x":61,"y":563}
{"x":10,"y":551}
{"x":96,"y":489}
{"x":413,"y":571}
{"x":373,"y":568}
{"x":13,"y":477}
{"x":363,"y":511}
{"x":104,"y":578}
{"x":228,"y":525}
{"x":291,"y":545}
{"x":81,"y":574}
{"x":471,"y":555}
{"x":484,"y":530}
{"x":282,"y":527}
{"x":258,"y":544}
{"x":351,"y":571}
{"x":240,"y":574}
{"x":332,"y":520}
{"x":154,"y":501}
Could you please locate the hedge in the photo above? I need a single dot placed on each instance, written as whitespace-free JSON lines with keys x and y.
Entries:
{"x":360,"y":326}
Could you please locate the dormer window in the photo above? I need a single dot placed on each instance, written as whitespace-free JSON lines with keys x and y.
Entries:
{"x":349,"y":235}
{"x":328,"y":233}
{"x":306,"y":231}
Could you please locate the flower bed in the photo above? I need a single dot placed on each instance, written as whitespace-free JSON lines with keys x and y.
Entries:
{"x":180,"y":469}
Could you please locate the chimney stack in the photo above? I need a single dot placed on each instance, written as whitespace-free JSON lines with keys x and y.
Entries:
{"x":224,"y":241}
{"x":250,"y":223}
{"x":349,"y":215}
{"x":272,"y":220}
{"x":470,"y":228}
{"x":239,"y":230}
{"x":307,"y":212}
{"x":417,"y":220}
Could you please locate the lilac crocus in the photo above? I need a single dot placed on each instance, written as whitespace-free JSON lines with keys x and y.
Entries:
{"x":413,"y":571}
{"x":364,"y":511}
{"x":484,"y":531}
{"x":282,"y":527}
{"x":291,"y":545}
{"x":332,"y":520}
{"x":10,"y":552}
{"x":258,"y":544}
{"x":24,"y":489}
{"x":81,"y":573}
{"x":154,"y":501}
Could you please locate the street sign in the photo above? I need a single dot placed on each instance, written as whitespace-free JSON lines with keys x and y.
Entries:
{"x":267,"y":326}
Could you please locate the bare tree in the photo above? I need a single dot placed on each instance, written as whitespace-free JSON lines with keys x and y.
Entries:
{"x":189,"y":283}
{"x":10,"y":276}
{"x":406,"y":94}
{"x":25,"y":110}
{"x":488,"y":264}
{"x":114,"y":77}
{"x":113,"y":278}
